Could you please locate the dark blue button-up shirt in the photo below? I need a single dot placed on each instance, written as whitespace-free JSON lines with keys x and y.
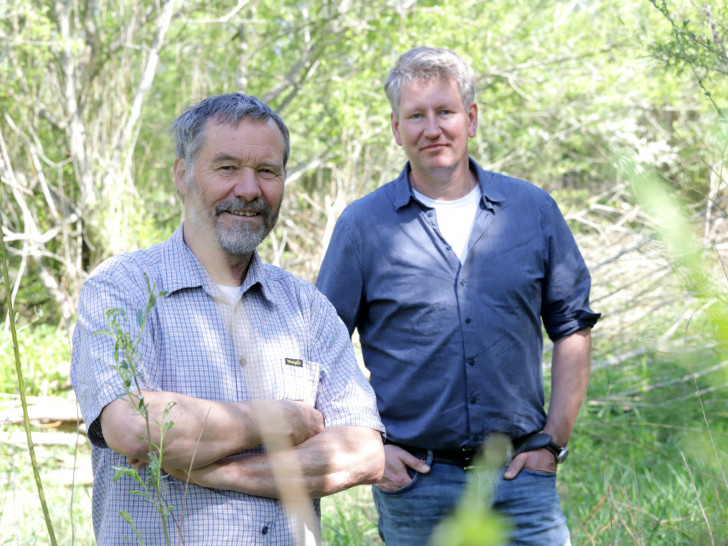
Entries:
{"x":455,"y":351}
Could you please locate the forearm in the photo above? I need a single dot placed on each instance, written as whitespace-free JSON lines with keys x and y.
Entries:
{"x":334,"y":460}
{"x":570,"y":369}
{"x":201,"y":432}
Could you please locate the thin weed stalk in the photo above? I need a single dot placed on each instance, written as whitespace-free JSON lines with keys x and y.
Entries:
{"x":697,"y":497}
{"x":21,"y":391}
{"x":127,"y":360}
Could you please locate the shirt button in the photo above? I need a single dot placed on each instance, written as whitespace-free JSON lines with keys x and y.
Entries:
{"x":473,"y":400}
{"x":462,"y":283}
{"x":471,"y":362}
{"x":264,"y":530}
{"x":467,"y":320}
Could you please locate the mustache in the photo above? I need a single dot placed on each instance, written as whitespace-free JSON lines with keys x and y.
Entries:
{"x":257,"y":205}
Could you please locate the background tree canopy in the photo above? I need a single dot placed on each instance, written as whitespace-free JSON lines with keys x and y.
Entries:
{"x":90,"y":88}
{"x":585,"y":98}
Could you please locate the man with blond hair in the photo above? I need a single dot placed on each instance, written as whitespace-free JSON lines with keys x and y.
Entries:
{"x":448,"y":273}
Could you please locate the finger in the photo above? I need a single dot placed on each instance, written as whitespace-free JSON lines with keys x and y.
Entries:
{"x":417,"y":464}
{"x":517,"y":464}
{"x":396,"y":456}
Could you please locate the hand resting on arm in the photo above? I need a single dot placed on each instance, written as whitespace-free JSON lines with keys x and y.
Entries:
{"x":204,"y":431}
{"x":331,"y":461}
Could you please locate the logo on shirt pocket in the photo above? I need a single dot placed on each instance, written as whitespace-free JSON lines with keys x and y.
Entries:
{"x":300,"y":380}
{"x":294,"y":362}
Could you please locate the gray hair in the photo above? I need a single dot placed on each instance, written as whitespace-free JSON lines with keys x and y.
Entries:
{"x":424,"y":63}
{"x":188,"y":128}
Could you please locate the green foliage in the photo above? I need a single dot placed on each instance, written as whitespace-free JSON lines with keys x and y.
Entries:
{"x":562,"y":85}
{"x":21,"y":390}
{"x":127,"y":361}
{"x":566,"y":90}
{"x":651,"y":464}
{"x":473,"y":523}
{"x":696,"y":44}
{"x":349,"y":518}
{"x":652,"y":442}
{"x":45,"y":361}
{"x":68,"y":495}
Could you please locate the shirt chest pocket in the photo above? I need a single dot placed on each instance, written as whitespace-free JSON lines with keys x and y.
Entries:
{"x":299,"y":380}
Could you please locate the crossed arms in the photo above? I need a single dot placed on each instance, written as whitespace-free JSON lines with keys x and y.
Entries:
{"x":206,"y":435}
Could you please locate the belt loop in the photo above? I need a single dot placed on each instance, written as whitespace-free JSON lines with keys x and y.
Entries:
{"x":430,"y":457}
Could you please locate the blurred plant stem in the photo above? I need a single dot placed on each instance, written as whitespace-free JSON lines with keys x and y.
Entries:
{"x":127,"y":360}
{"x":21,"y":389}
{"x":474,"y":523}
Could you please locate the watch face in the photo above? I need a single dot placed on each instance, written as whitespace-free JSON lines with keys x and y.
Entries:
{"x":563,"y":454}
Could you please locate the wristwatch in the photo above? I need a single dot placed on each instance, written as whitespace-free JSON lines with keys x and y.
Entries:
{"x":561,"y":453}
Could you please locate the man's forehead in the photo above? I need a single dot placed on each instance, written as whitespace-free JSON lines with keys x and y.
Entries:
{"x":248,"y":132}
{"x":427,"y":80}
{"x":412,"y":90}
{"x":216,"y":123}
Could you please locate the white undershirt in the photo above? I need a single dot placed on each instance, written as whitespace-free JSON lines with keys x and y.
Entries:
{"x":231,"y":293}
{"x":455,"y":218}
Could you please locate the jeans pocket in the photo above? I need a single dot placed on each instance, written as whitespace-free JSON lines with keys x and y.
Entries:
{"x":414,"y":477}
{"x":538,"y":473}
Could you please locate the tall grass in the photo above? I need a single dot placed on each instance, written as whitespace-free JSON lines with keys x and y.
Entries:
{"x":651,"y":447}
{"x":21,"y":390}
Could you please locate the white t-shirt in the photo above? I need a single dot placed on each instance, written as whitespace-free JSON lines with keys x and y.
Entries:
{"x":455,"y":218}
{"x":231,"y":293}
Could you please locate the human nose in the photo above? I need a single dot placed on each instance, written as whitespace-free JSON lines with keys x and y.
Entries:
{"x":432,"y":127}
{"x":246,"y":185}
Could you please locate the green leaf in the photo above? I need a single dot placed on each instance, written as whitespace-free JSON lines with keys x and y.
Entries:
{"x":127,"y":517}
{"x":124,"y":471}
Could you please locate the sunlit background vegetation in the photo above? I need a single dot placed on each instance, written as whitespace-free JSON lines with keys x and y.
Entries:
{"x":617,"y":108}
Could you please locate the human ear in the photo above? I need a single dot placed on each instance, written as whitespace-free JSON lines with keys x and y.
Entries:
{"x":394,"y":119}
{"x":180,"y":175}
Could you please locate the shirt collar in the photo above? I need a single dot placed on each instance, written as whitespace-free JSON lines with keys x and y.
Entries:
{"x":490,"y":186}
{"x":182,"y":269}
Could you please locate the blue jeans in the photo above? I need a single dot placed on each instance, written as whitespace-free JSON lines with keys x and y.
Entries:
{"x":408,"y":516}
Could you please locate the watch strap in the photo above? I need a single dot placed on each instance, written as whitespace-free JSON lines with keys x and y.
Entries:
{"x":560,"y":452}
{"x":531,"y":442}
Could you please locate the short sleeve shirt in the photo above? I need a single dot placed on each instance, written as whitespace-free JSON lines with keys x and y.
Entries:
{"x":300,"y":347}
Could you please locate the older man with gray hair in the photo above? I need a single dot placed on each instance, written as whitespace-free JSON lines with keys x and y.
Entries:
{"x":241,"y":351}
